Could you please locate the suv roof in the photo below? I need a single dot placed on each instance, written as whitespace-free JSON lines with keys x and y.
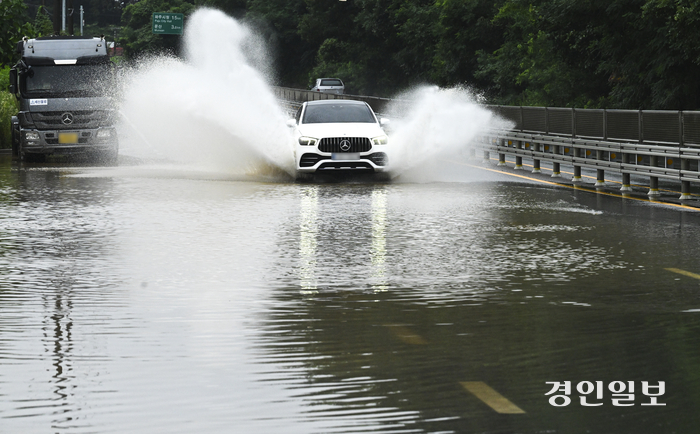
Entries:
{"x":334,"y":101}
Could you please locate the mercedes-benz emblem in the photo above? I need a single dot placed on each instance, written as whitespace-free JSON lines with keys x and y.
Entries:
{"x":67,"y":118}
{"x":345,"y":145}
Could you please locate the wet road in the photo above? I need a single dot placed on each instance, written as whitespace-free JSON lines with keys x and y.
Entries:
{"x":151,"y":300}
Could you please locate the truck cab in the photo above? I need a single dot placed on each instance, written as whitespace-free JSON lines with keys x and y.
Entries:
{"x":65,"y":87}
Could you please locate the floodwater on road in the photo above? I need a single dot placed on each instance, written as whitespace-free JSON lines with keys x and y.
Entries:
{"x":145,"y":301}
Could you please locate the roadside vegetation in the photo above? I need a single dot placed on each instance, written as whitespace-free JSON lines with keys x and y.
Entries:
{"x":8,"y":108}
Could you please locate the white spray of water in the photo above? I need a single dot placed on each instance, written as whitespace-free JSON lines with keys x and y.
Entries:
{"x":432,"y":126}
{"x":214,"y":111}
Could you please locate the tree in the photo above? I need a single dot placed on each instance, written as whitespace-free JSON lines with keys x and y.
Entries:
{"x":14,"y":24}
{"x":42,"y":22}
{"x":377,"y":47}
{"x":464,"y":29}
{"x":277,"y":21}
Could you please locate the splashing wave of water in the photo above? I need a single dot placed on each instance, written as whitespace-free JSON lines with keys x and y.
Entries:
{"x":215,"y":111}
{"x":431,"y":125}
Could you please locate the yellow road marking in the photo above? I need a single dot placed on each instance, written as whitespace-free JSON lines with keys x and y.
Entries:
{"x":590,"y":190}
{"x":683,"y":272}
{"x":406,"y":335}
{"x":492,"y":398}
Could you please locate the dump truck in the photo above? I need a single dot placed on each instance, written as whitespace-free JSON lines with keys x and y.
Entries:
{"x":65,"y":86}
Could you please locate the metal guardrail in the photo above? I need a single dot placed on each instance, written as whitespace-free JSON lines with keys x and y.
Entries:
{"x":654,"y":143}
{"x":644,"y":126}
{"x":658,"y":144}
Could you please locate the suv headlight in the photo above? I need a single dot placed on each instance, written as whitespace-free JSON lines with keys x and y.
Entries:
{"x":31,"y":135}
{"x":307,"y":141}
{"x":381,"y":140}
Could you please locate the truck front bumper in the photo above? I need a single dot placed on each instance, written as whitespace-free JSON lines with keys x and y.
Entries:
{"x":68,"y":141}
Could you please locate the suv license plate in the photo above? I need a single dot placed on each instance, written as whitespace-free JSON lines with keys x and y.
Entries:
{"x":346,"y":156}
{"x":64,"y":138}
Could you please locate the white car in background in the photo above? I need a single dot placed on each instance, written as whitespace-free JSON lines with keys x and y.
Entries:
{"x":340,"y":137}
{"x":329,"y":85}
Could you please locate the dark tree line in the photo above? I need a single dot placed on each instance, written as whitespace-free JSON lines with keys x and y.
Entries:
{"x":637,"y":54}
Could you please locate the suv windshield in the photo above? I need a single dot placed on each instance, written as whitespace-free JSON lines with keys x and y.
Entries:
{"x":68,"y":80}
{"x":337,"y":113}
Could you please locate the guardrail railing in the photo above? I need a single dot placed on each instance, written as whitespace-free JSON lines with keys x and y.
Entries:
{"x":660,"y":144}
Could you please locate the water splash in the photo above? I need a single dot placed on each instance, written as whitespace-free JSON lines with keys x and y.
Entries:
{"x":430,"y":126}
{"x":214,"y":110}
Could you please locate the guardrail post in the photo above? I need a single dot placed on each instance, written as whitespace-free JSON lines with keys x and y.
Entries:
{"x":556,"y":167}
{"x":653,"y":180}
{"x":501,"y":156}
{"x":537,"y":147}
{"x":626,"y":182}
{"x":518,"y":158}
{"x":685,"y":185}
{"x":626,"y":177}
{"x":600,"y":179}
{"x":653,"y":186}
{"x":577,"y":169}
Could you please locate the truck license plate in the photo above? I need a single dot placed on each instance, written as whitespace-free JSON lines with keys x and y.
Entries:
{"x":346,"y":156}
{"x":65,"y":138}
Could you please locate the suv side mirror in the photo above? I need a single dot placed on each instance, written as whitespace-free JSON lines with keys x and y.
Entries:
{"x":13,"y":81}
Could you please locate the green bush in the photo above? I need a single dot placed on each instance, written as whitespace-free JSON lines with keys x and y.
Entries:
{"x":8,"y":108}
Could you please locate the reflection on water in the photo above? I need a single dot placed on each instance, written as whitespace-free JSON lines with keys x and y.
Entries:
{"x":150,"y":304}
{"x":379,"y":239}
{"x":308,"y":233}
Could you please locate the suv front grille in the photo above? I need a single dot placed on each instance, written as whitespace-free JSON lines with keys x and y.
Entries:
{"x":357,"y":144}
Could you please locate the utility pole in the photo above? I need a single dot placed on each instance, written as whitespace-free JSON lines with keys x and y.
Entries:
{"x":56,"y":17}
{"x":70,"y":17}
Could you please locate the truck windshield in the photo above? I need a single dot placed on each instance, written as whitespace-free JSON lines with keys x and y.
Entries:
{"x":69,"y":80}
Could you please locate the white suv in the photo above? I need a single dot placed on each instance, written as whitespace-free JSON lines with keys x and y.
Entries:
{"x":339,"y":136}
{"x":329,"y":85}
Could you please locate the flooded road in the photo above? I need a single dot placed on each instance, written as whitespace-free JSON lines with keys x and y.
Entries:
{"x":152,"y":301}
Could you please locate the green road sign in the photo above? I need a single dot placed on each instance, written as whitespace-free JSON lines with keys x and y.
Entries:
{"x":167,"y":23}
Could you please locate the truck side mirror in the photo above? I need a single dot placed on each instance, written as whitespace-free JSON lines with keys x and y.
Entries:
{"x":13,"y":81}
